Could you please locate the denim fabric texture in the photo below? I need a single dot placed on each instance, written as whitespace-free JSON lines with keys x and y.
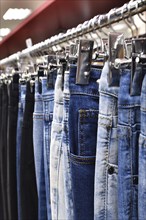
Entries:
{"x":3,"y":155}
{"x":38,"y":153}
{"x":13,"y":94}
{"x":29,"y":198}
{"x":68,"y":193}
{"x":128,"y":136}
{"x":83,"y":118}
{"x":21,"y":107}
{"x":56,"y":183}
{"x":106,"y":171}
{"x":142,"y":154}
{"x":1,"y":204}
{"x":48,"y":105}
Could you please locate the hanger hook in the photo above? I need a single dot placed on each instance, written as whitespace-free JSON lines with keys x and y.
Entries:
{"x":131,"y":18}
{"x":126,"y":22}
{"x":108,"y":18}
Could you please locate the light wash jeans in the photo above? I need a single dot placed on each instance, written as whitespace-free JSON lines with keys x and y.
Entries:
{"x":48,"y":105}
{"x":56,"y":169}
{"x":106,"y":169}
{"x":142,"y":155}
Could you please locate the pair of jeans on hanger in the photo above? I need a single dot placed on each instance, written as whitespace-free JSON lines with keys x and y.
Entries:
{"x":28,"y":195}
{"x":116,"y":173}
{"x":3,"y":150}
{"x":42,"y":121}
{"x":21,"y":108}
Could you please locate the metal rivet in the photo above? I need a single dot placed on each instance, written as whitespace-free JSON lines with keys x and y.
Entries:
{"x":86,"y":74}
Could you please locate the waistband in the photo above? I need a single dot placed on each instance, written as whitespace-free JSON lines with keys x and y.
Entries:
{"x":58,"y":89}
{"x":90,"y":89}
{"x":103,"y":82}
{"x":45,"y":89}
{"x":125,"y":100}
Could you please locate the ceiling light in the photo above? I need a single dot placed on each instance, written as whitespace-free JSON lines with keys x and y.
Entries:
{"x":16,"y":13}
{"x":4,"y":31}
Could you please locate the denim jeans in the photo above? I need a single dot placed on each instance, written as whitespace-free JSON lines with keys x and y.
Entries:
{"x":56,"y":172}
{"x":29,"y":199}
{"x":106,"y":171}
{"x":142,"y":155}
{"x":21,"y":107}
{"x":13,"y":94}
{"x":1,"y":203}
{"x":48,"y":105}
{"x":128,"y":135}
{"x":68,"y":195}
{"x":83,"y":118}
{"x":38,"y":153}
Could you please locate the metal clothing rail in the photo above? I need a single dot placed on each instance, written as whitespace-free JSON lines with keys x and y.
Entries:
{"x":115,"y":15}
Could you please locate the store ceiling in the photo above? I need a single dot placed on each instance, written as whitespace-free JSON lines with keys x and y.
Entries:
{"x":5,"y":5}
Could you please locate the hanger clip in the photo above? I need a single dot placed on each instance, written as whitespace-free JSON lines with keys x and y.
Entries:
{"x":84,"y":62}
{"x":138,"y":60}
{"x":116,"y":51}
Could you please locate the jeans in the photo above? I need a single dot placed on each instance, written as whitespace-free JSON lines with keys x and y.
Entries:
{"x":83,"y":118}
{"x":13,"y":92}
{"x":106,"y":171}
{"x":1,"y":204}
{"x":56,"y":172}
{"x":29,"y":200}
{"x":21,"y":107}
{"x":38,"y":153}
{"x":3,"y":153}
{"x":128,"y":135}
{"x":68,"y":194}
{"x":48,"y":105}
{"x":142,"y":155}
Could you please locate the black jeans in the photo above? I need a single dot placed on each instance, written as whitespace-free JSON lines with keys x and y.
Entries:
{"x":29,"y":199}
{"x":3,"y":149}
{"x":1,"y":203}
{"x":13,"y":92}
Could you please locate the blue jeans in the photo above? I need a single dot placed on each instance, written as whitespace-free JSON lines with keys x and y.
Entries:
{"x":106,"y":170}
{"x":56,"y":170}
{"x":48,"y":105}
{"x":68,"y":195}
{"x":83,"y":118}
{"x":21,"y":108}
{"x":128,"y":135}
{"x":38,"y":153}
{"x":142,"y":155}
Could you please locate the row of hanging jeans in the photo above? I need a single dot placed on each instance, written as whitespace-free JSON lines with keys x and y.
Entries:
{"x":72,"y":151}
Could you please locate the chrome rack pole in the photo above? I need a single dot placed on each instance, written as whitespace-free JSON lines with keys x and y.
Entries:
{"x":117,"y":14}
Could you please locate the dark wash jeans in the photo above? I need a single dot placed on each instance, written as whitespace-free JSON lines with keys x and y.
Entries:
{"x":3,"y":155}
{"x":29,"y":200}
{"x":1,"y":208}
{"x":83,"y":117}
{"x":13,"y":93}
{"x":128,"y":136}
{"x":22,"y":93}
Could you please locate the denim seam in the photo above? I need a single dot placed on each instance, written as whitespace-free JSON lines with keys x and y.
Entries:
{"x":131,"y":106}
{"x":84,"y":163}
{"x":81,"y":138}
{"x":82,"y":93}
{"x":106,"y":170}
{"x":104,"y":92}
